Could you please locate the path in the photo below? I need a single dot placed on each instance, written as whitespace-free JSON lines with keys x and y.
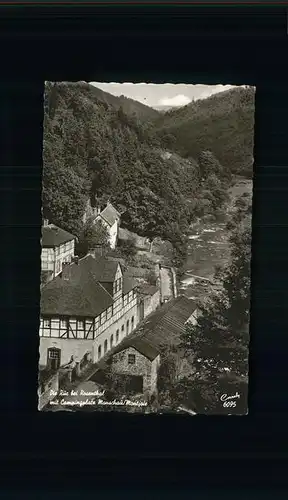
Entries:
{"x":166,"y":283}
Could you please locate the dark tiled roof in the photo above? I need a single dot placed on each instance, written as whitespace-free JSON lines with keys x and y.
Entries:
{"x":122,"y":262}
{"x":161,"y":328}
{"x":53,"y":236}
{"x":102,"y":269}
{"x":110,"y":214}
{"x":77,"y":292}
{"x":128,"y":283}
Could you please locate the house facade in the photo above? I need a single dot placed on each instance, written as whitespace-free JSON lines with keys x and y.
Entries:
{"x":140,"y":364}
{"x":138,"y":357}
{"x":86,"y":311}
{"x":58,"y":249}
{"x":109,"y":217}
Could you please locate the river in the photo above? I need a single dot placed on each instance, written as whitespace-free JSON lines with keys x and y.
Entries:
{"x":208,"y":247}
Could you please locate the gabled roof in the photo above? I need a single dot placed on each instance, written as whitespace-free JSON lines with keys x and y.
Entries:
{"x":53,"y":236}
{"x":128,"y":283}
{"x":102,"y":269}
{"x":78,"y":292}
{"x":161,"y":328}
{"x":109,"y":214}
{"x":85,"y":298}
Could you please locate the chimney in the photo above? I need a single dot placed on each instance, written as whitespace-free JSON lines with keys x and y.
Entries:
{"x":76,"y":259}
{"x":98,"y":250}
{"x":97,"y":210}
{"x":45,"y":222}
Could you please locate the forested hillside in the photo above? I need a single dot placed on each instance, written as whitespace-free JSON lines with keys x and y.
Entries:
{"x":222,"y":123}
{"x":94,"y":149}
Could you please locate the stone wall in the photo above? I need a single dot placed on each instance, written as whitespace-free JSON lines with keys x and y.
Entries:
{"x":142,"y":366}
{"x":44,"y":396}
{"x":151,"y":302}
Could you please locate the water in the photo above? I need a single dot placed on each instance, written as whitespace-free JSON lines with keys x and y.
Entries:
{"x":208,"y":247}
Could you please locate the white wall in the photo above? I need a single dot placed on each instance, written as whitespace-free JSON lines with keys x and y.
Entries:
{"x":52,"y":259}
{"x":78,"y":347}
{"x":193,"y":318}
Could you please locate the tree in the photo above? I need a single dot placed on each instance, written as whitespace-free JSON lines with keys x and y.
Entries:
{"x":219,"y":341}
{"x":128,"y":249}
{"x":92,"y":235}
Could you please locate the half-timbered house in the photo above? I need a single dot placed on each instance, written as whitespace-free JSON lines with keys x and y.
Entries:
{"x":57,"y":249}
{"x":86,"y":311}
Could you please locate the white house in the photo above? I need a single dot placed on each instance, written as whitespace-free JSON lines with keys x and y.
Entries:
{"x":58,"y":247}
{"x":110,"y":218}
{"x":86,"y":311}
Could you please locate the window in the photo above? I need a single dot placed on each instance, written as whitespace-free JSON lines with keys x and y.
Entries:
{"x":132,"y":322}
{"x":122,"y":328}
{"x":80,"y":325}
{"x":103,"y":318}
{"x":99,"y":352}
{"x":127,"y":327}
{"x":45,"y":265}
{"x":115,"y":287}
{"x":119,"y":283}
{"x":53,"y":353}
{"x":105,"y":346}
{"x":47,"y":323}
{"x":63,"y":323}
{"x":111,"y":341}
{"x":125,"y":300}
{"x":131,"y":359}
{"x":53,"y":358}
{"x":109,"y":313}
{"x":117,"y":336}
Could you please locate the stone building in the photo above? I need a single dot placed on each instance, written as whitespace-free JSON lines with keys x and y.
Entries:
{"x":139,"y":356}
{"x":86,"y":311}
{"x":58,"y":248}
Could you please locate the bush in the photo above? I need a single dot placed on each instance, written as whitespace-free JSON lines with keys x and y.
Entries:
{"x":128,"y":249}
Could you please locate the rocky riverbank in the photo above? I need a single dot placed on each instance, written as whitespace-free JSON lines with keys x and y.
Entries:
{"x":208,"y":248}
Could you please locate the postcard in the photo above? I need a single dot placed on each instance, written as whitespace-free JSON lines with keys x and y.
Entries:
{"x":145,"y":249}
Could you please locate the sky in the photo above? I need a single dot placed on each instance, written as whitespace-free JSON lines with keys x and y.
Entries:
{"x":158,"y":95}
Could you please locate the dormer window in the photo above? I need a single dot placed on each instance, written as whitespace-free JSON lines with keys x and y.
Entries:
{"x":117,"y":285}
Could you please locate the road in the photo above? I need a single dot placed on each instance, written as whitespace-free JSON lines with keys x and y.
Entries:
{"x":166,"y":283}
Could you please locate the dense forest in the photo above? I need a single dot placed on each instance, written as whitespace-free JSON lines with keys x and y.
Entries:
{"x":223,"y":123}
{"x":214,"y":358}
{"x":98,"y":147}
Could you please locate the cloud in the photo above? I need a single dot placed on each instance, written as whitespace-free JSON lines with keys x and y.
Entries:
{"x":177,"y":100}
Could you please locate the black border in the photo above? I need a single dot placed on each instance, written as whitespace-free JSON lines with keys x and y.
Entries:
{"x":141,"y":43}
